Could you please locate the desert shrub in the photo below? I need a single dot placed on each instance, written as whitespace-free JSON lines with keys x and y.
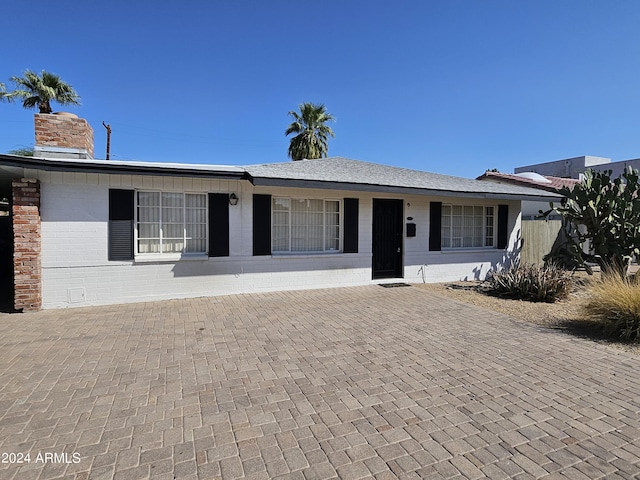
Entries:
{"x":614,"y":303}
{"x":537,"y":283}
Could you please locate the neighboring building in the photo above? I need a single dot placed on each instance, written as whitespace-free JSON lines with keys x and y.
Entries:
{"x":95,"y":232}
{"x":530,"y":209}
{"x":574,"y":167}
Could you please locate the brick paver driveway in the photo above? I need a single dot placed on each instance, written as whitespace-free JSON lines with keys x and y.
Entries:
{"x":345,"y":383}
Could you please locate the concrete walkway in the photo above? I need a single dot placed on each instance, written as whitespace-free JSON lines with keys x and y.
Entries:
{"x":348,"y":383}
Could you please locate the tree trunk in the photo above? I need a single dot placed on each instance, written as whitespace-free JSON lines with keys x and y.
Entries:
{"x":45,"y":106}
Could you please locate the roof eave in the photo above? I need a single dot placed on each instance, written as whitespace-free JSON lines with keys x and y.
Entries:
{"x":365,"y":187}
{"x":35,"y":163}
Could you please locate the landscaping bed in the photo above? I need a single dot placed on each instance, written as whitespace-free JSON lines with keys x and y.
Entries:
{"x":564,"y":314}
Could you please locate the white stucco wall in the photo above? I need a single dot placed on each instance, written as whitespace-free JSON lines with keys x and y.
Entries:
{"x":423,"y":266}
{"x":76,"y":272}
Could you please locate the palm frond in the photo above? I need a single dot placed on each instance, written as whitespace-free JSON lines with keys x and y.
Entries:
{"x":30,"y":102}
{"x":294,"y":127}
{"x":4,"y":95}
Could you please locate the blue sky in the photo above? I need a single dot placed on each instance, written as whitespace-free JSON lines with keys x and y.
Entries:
{"x":449,"y":86}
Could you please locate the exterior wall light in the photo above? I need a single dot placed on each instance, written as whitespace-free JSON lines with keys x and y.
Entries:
{"x":233,"y":199}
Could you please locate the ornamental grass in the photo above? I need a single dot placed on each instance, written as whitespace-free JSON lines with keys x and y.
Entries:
{"x":614,"y":304}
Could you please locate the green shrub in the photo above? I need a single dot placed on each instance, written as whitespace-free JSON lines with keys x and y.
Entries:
{"x":536,"y":283}
{"x":614,"y":303}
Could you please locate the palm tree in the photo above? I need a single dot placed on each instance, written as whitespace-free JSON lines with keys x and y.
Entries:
{"x":312,"y":139}
{"x":39,"y":90}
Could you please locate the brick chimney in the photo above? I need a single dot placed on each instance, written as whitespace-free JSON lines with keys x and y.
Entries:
{"x":62,"y":135}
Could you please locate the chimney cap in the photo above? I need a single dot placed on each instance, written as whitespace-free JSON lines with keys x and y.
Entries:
{"x":66,"y":114}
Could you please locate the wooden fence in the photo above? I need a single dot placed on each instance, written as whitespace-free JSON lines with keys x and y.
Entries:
{"x":537,"y":239}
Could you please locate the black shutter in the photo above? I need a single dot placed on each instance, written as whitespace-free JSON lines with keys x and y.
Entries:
{"x":121,"y":215}
{"x":261,"y":224}
{"x":218,"y":225}
{"x":503,"y":220}
{"x":435,"y":226}
{"x":350,"y":244}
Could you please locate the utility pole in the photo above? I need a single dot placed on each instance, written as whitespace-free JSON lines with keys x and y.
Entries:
{"x":108,"y":127}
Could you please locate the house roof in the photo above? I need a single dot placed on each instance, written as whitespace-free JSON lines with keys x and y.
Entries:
{"x":546,"y":182}
{"x":328,"y":173}
{"x":123,"y":167}
{"x":344,"y":173}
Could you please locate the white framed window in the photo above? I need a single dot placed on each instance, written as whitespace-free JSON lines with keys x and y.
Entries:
{"x":468,"y":226}
{"x":171,"y":223}
{"x":305,"y":225}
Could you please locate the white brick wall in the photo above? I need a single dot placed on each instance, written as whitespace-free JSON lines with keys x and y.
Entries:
{"x":421,"y":265}
{"x":76,"y":270}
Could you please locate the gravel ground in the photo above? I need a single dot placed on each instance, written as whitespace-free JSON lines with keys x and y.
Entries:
{"x":564,"y":314}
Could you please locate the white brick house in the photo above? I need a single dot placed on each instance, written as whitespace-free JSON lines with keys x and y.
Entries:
{"x":116,"y":232}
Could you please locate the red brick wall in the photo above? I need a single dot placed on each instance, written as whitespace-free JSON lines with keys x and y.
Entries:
{"x":26,"y":238}
{"x":63,"y":131}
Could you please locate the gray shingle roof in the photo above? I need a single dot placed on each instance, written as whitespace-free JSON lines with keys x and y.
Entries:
{"x":339,"y":172}
{"x":328,"y":173}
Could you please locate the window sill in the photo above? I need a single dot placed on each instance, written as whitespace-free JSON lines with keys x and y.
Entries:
{"x":170,"y":258}
{"x":468,"y":250}
{"x":305,"y":254}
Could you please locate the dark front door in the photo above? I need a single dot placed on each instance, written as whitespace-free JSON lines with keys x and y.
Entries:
{"x":387,"y":238}
{"x":6,"y":252}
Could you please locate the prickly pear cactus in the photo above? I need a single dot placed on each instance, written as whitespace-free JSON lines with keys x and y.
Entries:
{"x":603,"y":218}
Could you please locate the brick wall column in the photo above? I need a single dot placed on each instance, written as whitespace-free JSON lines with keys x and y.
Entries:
{"x":27,"y":246}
